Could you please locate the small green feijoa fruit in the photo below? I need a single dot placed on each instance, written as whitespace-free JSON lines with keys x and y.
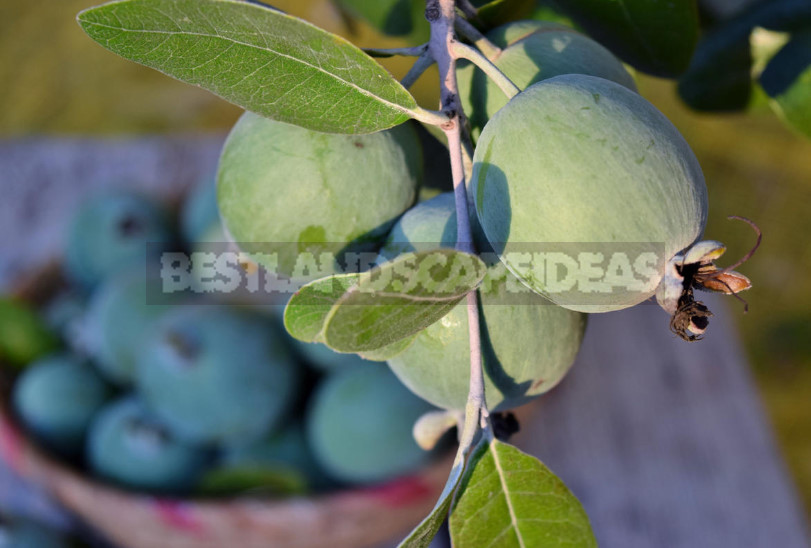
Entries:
{"x":56,"y":398}
{"x":217,"y":375}
{"x":128,"y":445}
{"x":115,"y":231}
{"x":284,"y":190}
{"x":533,"y":51}
{"x":583,"y":162}
{"x":119,"y":316}
{"x":528,"y":344}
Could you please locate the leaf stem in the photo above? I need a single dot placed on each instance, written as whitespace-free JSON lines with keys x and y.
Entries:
{"x":466,"y":7}
{"x":415,"y":51}
{"x":433,"y":117}
{"x":441,"y":14}
{"x":463,"y":51}
{"x":420,"y":66}
{"x":472,"y":34}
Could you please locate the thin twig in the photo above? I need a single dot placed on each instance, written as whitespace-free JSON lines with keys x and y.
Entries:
{"x":441,"y":14}
{"x":472,"y":34}
{"x":417,"y":69}
{"x":415,"y":51}
{"x":467,"y":154}
{"x":463,"y":51}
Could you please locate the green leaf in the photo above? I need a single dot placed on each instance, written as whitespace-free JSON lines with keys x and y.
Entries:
{"x":500,"y":12}
{"x":787,"y":80}
{"x":779,"y":15}
{"x":405,"y":18}
{"x":389,"y":351}
{"x":719,"y":77}
{"x":24,"y":336}
{"x":655,"y":36}
{"x":401,"y":298}
{"x":508,"y":498}
{"x":307,"y":310}
{"x":424,"y":533}
{"x":546,"y":10}
{"x":720,"y":74}
{"x":263,"y":60}
{"x":279,"y":481}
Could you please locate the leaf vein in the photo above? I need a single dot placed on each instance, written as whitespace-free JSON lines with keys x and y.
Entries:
{"x":342,"y":81}
{"x":500,"y":470}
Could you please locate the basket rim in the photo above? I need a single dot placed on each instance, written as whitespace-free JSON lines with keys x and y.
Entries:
{"x":44,"y":466}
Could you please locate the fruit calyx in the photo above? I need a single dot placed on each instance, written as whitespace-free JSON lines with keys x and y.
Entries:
{"x":694,"y":268}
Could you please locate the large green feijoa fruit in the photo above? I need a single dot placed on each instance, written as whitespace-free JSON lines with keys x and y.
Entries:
{"x":585,"y":190}
{"x":285,"y":190}
{"x":126,"y":444}
{"x":528,"y":344}
{"x":119,"y":317}
{"x":533,"y":51}
{"x":115,"y":231}
{"x":217,"y":375}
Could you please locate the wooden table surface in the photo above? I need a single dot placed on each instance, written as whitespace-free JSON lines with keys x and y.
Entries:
{"x":664,"y":442}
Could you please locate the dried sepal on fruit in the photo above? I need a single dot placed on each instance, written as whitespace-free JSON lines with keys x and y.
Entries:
{"x":694,"y":268}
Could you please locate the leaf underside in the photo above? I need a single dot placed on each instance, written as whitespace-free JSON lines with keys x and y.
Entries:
{"x":377,"y":313}
{"x":307,"y":310}
{"x":263,"y":60}
{"x":424,"y":533}
{"x":787,"y":80}
{"x":389,"y":351}
{"x":401,"y":298}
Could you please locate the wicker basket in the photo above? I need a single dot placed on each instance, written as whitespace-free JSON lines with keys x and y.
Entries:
{"x":346,"y":519}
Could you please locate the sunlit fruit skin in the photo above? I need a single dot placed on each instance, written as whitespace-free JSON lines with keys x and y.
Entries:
{"x":128,"y":445}
{"x":526,"y":351}
{"x":533,"y":51}
{"x":111,"y":232}
{"x":283,"y":189}
{"x":359,"y":425}
{"x":528,"y":344}
{"x":428,"y":225}
{"x":56,"y":398}
{"x":581,"y":159}
{"x":217,"y":375}
{"x":119,"y":316}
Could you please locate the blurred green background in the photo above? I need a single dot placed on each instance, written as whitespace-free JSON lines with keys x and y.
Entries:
{"x":54,"y":80}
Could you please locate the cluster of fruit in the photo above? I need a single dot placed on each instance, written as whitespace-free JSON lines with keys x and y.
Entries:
{"x":577,"y":157}
{"x":570,"y":168}
{"x":185,"y":396}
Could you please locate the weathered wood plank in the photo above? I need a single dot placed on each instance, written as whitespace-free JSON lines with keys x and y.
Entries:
{"x":664,"y":441}
{"x":43,"y":180}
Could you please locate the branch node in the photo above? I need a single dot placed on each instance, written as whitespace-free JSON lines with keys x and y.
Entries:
{"x":432,"y":11}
